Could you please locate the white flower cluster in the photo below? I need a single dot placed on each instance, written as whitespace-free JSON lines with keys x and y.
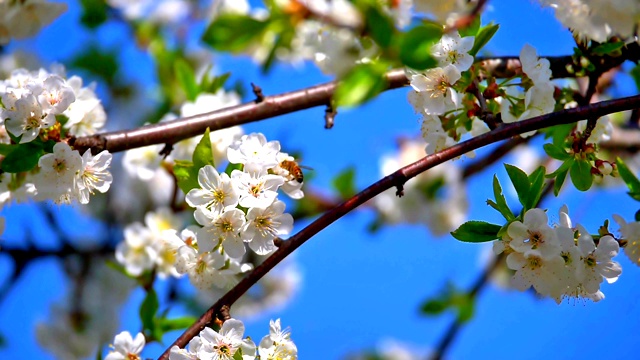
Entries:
{"x":31,"y":105}
{"x":31,"y":101}
{"x":559,"y":262}
{"x":238,"y":209}
{"x":233,"y":211}
{"x":225,"y":343}
{"x":22,"y":19}
{"x":434,"y":97}
{"x":538,"y":99}
{"x":598,"y":20}
{"x":436,"y":198}
{"x":152,"y":244}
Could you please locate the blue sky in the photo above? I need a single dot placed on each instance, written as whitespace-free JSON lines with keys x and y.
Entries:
{"x":358,"y":288}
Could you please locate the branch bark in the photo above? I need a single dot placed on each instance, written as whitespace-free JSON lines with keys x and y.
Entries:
{"x":397,"y":179}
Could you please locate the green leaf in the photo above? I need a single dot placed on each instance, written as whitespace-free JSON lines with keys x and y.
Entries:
{"x":471,"y":30}
{"x":238,"y":354}
{"x":536,"y":179}
{"x":5,"y":149}
{"x":345,"y":183}
{"x":501,"y":201}
{"x":186,"y":174}
{"x":99,"y":62}
{"x":556,"y":152}
{"x":520,"y":182}
{"x":177,"y":323}
{"x":465,"y":306}
{"x":379,"y":26}
{"x":362,"y":83}
{"x":435,"y":306}
{"x":211,"y":85}
{"x":186,"y":78}
{"x":203,"y":155}
{"x":24,"y":158}
{"x":230,"y":167}
{"x":148,"y":310}
{"x":476,"y":231}
{"x":560,"y":178}
{"x":415,"y":46}
{"x":581,"y":176}
{"x":628,"y":176}
{"x":94,"y":13}
{"x":234,"y":32}
{"x":563,"y":168}
{"x":484,"y":35}
{"x":607,"y":48}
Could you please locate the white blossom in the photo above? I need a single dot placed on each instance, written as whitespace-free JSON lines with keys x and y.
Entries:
{"x":136,"y":252}
{"x":255,"y":186}
{"x":453,"y":50}
{"x":223,"y":344}
{"x":254,"y":149}
{"x":264,"y":225}
{"x":216,"y":193}
{"x":435,"y":93}
{"x":94,"y":175}
{"x":126,"y":348}
{"x":221,"y":230}
{"x":278,"y":344}
{"x":58,"y":174}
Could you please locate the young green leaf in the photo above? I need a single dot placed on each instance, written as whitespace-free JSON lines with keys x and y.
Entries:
{"x":501,"y":201}
{"x":607,"y":48}
{"x":177,"y":323}
{"x":536,"y":181}
{"x":581,"y":176}
{"x":203,"y":155}
{"x":484,"y":35}
{"x":23,"y":158}
{"x":520,"y":182}
{"x":186,"y":174}
{"x":148,"y":310}
{"x":233,"y":32}
{"x":556,"y":152}
{"x":476,"y":231}
{"x":362,"y":83}
{"x":415,"y":46}
{"x":628,"y":176}
{"x":379,"y":26}
{"x":345,"y":183}
{"x":187,"y":79}
{"x":560,"y":178}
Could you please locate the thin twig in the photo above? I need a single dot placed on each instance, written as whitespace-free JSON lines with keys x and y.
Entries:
{"x":396,"y":179}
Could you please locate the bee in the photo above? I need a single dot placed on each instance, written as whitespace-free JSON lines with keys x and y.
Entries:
{"x":295,"y":170}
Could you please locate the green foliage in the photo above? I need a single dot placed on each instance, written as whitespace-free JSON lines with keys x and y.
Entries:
{"x":345,"y":183}
{"x":203,"y":153}
{"x":99,"y":62}
{"x":186,"y":172}
{"x":234,"y":32}
{"x":529,"y":188}
{"x":148,"y":310}
{"x":415,"y":46}
{"x":485,"y":34}
{"x":23,"y":157}
{"x":184,"y":322}
{"x":501,"y":202}
{"x":556,"y":152}
{"x":450,"y":298}
{"x":476,"y":231}
{"x":187,"y":79}
{"x":379,"y":26}
{"x":360,"y":84}
{"x":94,"y":13}
{"x":211,"y":84}
{"x":608,"y":48}
{"x":629,"y":178}
{"x":635,"y":74}
{"x":581,"y":176}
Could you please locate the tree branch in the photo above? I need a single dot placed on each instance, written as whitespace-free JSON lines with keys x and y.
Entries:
{"x":397,"y":179}
{"x":171,"y":132}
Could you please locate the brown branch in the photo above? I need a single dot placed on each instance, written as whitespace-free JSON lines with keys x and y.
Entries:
{"x":320,"y":95}
{"x":397,"y":179}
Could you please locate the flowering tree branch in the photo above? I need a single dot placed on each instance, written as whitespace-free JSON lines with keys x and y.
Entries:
{"x":171,"y":132}
{"x":397,"y":179}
